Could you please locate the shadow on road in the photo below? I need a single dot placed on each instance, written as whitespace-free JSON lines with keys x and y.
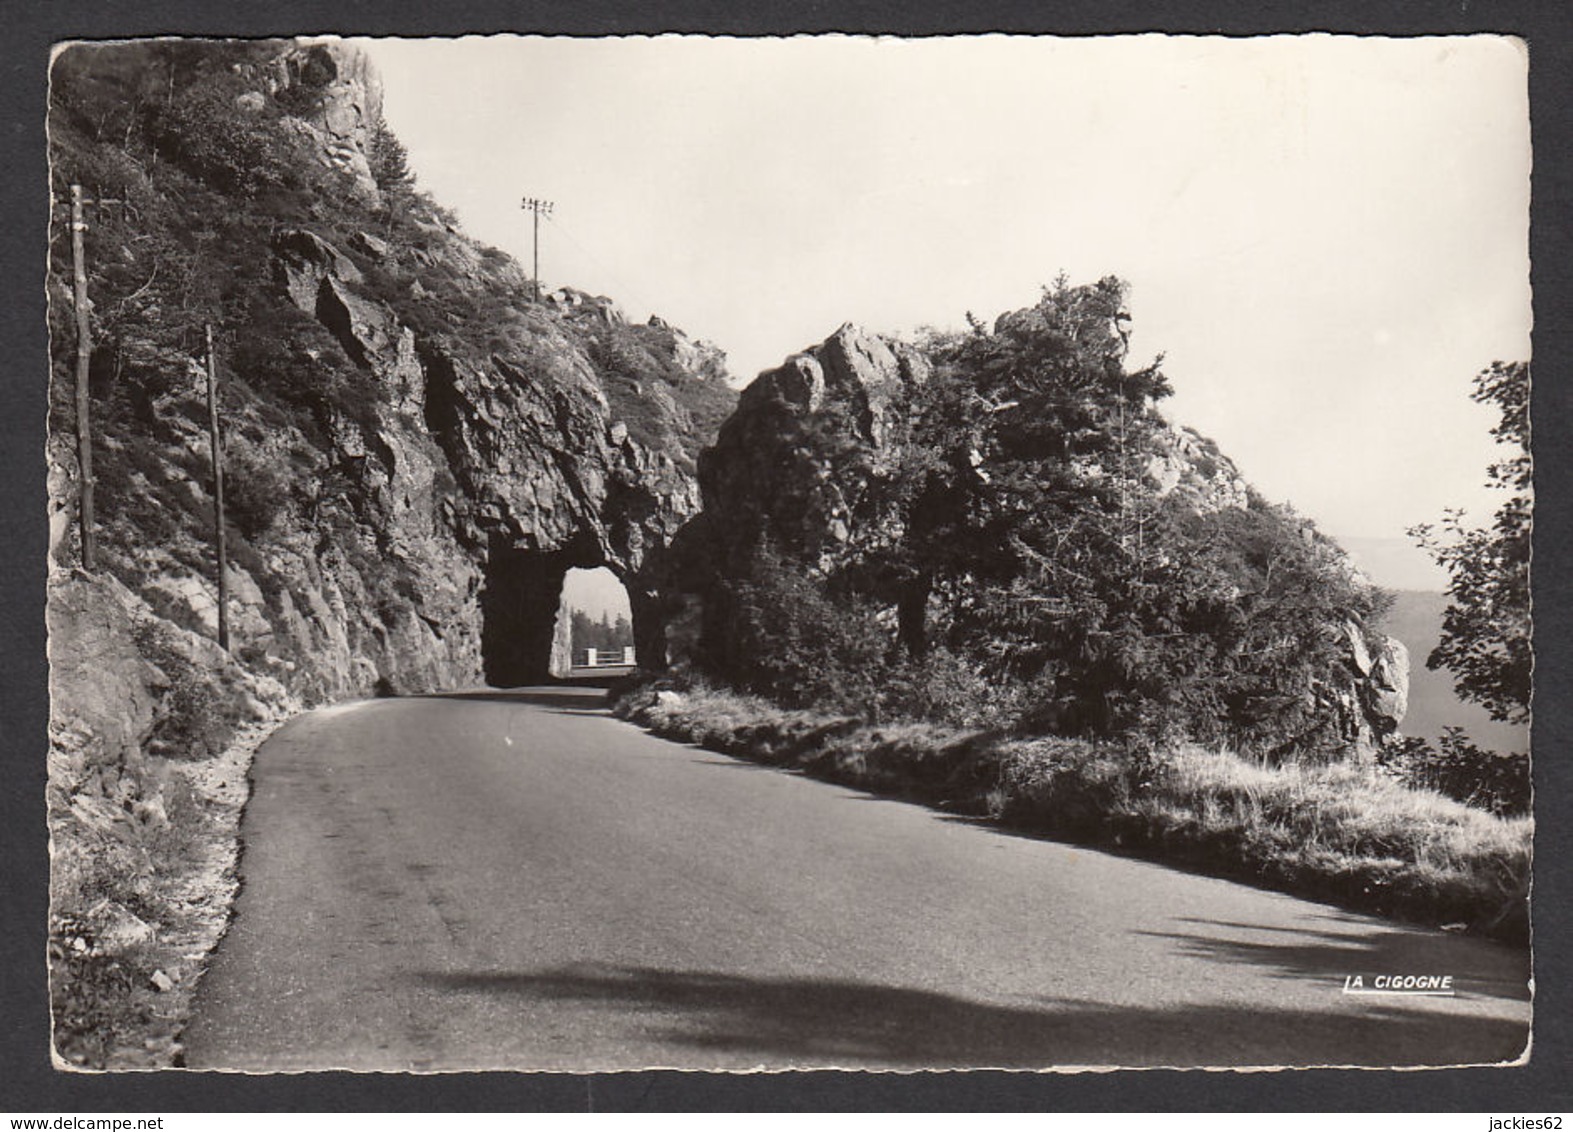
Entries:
{"x":728,"y":763}
{"x":579,"y":698}
{"x":789,"y":1021}
{"x":1360,"y":950}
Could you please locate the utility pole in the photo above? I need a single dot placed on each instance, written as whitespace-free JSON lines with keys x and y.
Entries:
{"x":537,"y":208}
{"x":84,"y":356}
{"x":218,"y":498}
{"x":84,"y":360}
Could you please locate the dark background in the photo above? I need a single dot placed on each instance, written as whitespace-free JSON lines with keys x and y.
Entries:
{"x":27,"y":1081}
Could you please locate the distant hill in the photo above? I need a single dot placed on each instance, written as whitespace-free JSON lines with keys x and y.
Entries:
{"x":1395,"y":563}
{"x":1416,"y":619}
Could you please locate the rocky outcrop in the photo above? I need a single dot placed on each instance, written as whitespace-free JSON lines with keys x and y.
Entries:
{"x":771,"y":479}
{"x":307,"y":263}
{"x":1384,"y":680}
{"x":599,"y":307}
{"x":489,"y":476}
{"x":345,"y":95}
{"x":760,"y":472}
{"x":104,"y":690}
{"x":1187,"y":462}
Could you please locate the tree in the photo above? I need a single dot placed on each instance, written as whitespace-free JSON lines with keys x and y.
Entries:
{"x":1009,"y":544}
{"x":604,"y":635}
{"x":389,"y":160}
{"x":1022,"y":515}
{"x":1486,"y":628}
{"x":1022,"y":436}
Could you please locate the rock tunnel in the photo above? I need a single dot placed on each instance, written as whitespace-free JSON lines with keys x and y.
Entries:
{"x":521,"y":593}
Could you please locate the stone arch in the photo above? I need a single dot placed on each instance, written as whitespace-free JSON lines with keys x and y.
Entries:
{"x":521,"y":601}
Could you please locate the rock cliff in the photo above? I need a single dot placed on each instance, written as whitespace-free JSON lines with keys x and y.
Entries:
{"x":417,"y":451}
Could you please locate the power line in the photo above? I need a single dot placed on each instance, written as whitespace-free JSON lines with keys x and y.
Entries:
{"x":622,"y":284}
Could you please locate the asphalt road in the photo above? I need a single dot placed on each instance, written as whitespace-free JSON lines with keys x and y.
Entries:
{"x":516,"y":880}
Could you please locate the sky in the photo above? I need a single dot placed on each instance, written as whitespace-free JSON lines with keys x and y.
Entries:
{"x":1326,"y":237}
{"x":596,"y":592}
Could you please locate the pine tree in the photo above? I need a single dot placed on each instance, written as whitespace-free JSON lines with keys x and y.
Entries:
{"x":389,"y":160}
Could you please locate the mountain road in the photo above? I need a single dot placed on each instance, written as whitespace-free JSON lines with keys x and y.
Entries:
{"x":516,"y":880}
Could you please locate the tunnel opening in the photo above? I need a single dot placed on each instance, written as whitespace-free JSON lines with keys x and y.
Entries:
{"x":543,"y":611}
{"x":520,"y":595}
{"x":600,"y":627}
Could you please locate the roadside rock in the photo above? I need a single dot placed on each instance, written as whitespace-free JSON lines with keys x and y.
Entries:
{"x":100,"y":687}
{"x":1386,"y":689}
{"x":116,"y":929}
{"x":305,"y":261}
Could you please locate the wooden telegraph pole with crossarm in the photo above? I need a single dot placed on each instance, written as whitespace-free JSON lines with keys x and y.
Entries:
{"x":537,"y":208}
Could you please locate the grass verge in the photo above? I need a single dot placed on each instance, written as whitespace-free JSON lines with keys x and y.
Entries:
{"x":1342,"y":833}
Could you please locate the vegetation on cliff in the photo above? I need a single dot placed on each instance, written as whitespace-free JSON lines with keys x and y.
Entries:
{"x":1022,"y":544}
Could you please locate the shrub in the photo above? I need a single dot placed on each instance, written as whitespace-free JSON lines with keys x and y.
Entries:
{"x":1463,"y":771}
{"x":201,"y":132}
{"x":193,"y":725}
{"x":90,"y":994}
{"x":791,"y":640}
{"x":199,"y":710}
{"x":947,"y":688}
{"x":256,"y":492}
